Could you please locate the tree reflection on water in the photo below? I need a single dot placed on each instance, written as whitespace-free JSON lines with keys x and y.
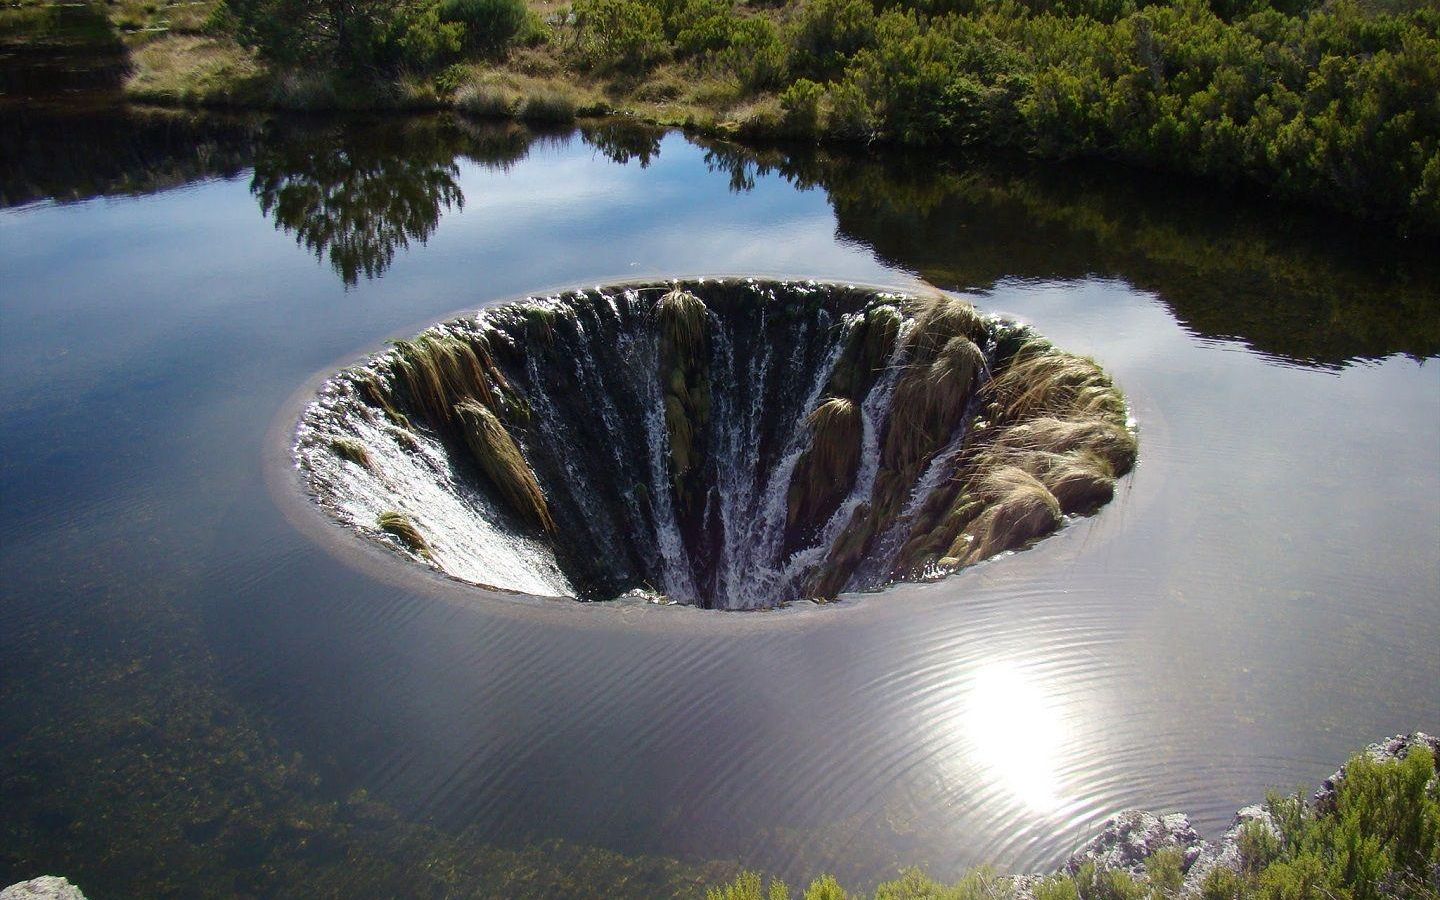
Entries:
{"x":357,"y":196}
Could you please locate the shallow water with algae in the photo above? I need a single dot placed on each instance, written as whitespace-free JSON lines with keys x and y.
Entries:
{"x":199,"y":698}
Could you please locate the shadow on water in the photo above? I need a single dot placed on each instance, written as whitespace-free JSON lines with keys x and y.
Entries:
{"x":59,"y":50}
{"x":1299,"y":287}
{"x":1304,"y":288}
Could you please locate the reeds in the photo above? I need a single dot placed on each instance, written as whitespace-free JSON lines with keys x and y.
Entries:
{"x":502,"y":462}
{"x":403,"y":529}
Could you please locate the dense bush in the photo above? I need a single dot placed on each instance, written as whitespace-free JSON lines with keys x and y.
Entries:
{"x":488,"y":23}
{"x":1335,"y":105}
{"x":619,"y":34}
{"x":362,"y":37}
{"x":828,"y":33}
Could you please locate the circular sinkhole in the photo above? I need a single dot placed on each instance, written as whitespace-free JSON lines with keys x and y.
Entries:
{"x":727,"y":443}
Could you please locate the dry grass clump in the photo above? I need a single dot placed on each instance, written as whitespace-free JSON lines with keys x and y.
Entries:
{"x":440,"y":369}
{"x":1105,"y":438}
{"x":548,"y":106}
{"x":684,"y":366}
{"x":826,"y":472}
{"x":534,"y":95}
{"x":373,"y":391}
{"x":938,"y":318}
{"x":1018,"y":508}
{"x":1041,"y":381}
{"x":501,"y":460}
{"x":188,"y":69}
{"x":682,"y":320}
{"x":930,"y":400}
{"x":487,"y":101}
{"x":943,"y":369}
{"x":403,"y":528}
{"x":351,"y":449}
{"x":1059,"y":441}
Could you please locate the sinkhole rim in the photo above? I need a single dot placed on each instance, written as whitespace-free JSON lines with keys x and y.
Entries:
{"x":303,"y":507}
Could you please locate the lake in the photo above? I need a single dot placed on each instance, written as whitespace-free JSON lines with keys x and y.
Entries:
{"x":203,"y":691}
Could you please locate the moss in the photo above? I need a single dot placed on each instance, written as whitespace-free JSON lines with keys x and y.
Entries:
{"x":503,"y":463}
{"x":867,"y":348}
{"x":403,"y":528}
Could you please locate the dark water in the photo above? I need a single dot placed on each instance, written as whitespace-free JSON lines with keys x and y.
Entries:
{"x":197,"y":697}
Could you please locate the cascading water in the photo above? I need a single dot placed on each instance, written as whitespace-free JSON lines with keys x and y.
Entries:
{"x":726,"y":443}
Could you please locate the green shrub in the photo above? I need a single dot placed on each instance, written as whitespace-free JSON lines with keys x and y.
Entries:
{"x":360,"y":37}
{"x":1166,"y":871}
{"x":1222,"y":884}
{"x":619,"y":34}
{"x":1259,"y":847}
{"x":849,"y":113}
{"x":1381,"y":839}
{"x":488,"y":24}
{"x":749,"y":886}
{"x":760,"y":60}
{"x":828,"y":33}
{"x":825,"y":888}
{"x":703,"y":27}
{"x":801,"y":103}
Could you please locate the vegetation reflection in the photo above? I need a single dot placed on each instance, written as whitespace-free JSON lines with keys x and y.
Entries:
{"x":355,"y":200}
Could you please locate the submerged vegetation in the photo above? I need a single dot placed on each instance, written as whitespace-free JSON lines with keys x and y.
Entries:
{"x":1376,"y":836}
{"x":740,"y":443}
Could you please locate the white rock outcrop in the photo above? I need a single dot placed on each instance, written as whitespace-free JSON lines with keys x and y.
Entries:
{"x":46,"y":887}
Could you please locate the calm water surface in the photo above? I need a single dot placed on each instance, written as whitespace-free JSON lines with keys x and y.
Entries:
{"x":1261,"y":599}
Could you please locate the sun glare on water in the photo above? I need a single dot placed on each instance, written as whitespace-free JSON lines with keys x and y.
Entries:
{"x":1018,"y":733}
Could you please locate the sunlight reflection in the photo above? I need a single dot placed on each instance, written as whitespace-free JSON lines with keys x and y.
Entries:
{"x":1018,"y":733}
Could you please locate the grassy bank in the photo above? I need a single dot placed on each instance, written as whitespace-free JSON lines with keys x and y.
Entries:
{"x":1333,"y":103}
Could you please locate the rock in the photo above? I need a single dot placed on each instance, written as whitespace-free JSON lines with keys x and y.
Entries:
{"x":46,"y":887}
{"x":1133,"y":836}
{"x":1397,"y":747}
{"x":1226,"y":854}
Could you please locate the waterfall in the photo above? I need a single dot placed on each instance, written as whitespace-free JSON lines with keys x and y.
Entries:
{"x":590,"y":387}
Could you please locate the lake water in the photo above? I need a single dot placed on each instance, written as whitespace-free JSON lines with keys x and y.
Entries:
{"x":204,"y":690}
